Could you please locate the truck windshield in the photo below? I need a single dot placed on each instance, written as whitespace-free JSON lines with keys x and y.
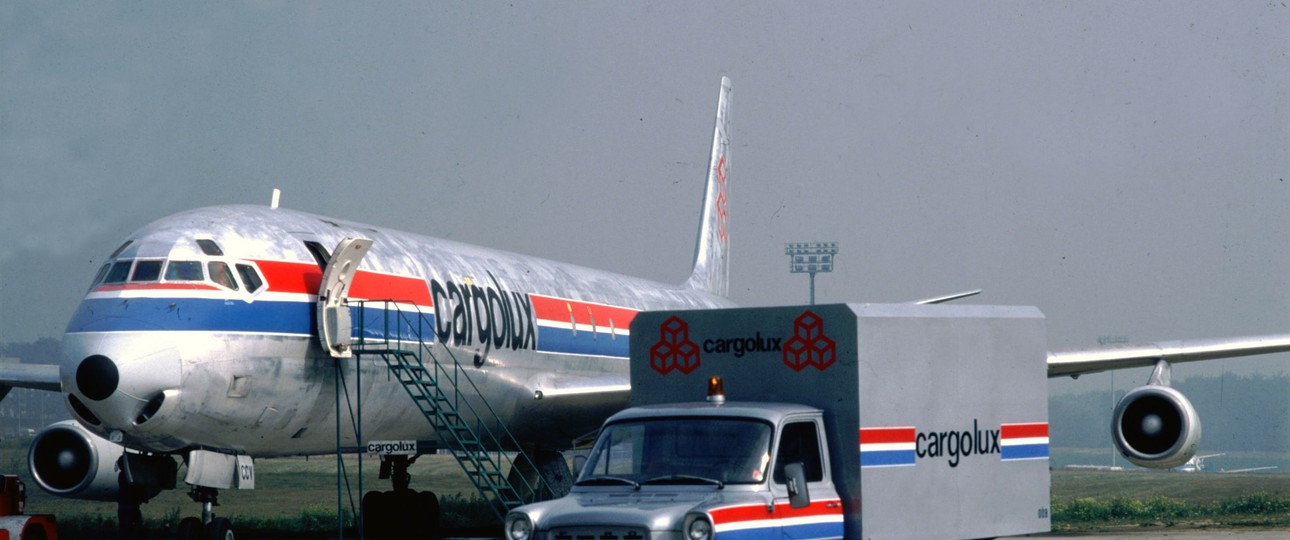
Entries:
{"x":680,"y":451}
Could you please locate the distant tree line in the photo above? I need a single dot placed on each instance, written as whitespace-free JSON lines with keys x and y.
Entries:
{"x":1238,"y":414}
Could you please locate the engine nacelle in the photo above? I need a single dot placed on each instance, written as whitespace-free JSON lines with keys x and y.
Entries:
{"x":69,"y":461}
{"x":1155,"y":426}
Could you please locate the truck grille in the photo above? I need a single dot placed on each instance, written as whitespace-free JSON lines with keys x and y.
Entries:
{"x":598,"y":533}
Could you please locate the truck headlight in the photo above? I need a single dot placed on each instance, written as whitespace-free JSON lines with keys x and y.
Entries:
{"x":697,"y":527}
{"x":518,"y":526}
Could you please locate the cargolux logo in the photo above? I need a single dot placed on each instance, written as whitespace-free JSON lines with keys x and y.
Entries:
{"x":809,"y":346}
{"x":904,"y":446}
{"x":674,"y":350}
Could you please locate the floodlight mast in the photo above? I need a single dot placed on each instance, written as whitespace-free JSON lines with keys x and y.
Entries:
{"x":809,"y":258}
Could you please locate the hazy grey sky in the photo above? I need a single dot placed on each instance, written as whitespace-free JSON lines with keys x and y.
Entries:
{"x":1120,"y":165}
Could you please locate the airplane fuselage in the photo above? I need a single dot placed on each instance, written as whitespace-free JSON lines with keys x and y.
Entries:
{"x":201,"y":332}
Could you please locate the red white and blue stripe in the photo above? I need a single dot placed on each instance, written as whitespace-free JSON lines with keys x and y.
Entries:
{"x":820,"y":519}
{"x":1023,"y":441}
{"x":887,"y":447}
{"x":288,"y":306}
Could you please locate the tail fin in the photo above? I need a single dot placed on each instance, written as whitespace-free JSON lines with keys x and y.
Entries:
{"x":712,"y":252}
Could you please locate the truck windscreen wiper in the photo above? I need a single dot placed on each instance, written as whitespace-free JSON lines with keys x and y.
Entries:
{"x":685,"y":479}
{"x":607,"y":480}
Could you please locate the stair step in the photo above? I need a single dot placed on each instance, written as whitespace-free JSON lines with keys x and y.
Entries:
{"x":410,"y":364}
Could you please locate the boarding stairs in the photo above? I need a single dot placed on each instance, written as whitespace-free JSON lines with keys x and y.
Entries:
{"x":402,"y":336}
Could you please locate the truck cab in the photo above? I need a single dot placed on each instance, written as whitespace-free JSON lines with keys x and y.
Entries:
{"x":695,"y":471}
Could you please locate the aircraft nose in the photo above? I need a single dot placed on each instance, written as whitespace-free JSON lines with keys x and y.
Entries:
{"x":117,"y":383}
{"x":97,"y":377}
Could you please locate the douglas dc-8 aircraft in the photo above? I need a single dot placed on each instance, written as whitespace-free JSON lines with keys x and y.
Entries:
{"x":219,"y":335}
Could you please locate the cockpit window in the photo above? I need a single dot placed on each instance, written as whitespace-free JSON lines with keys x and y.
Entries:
{"x":221,"y":275}
{"x":209,"y":247}
{"x":102,"y":273}
{"x":250,"y":277}
{"x":184,"y":271}
{"x":146,"y":271}
{"x":119,"y":273}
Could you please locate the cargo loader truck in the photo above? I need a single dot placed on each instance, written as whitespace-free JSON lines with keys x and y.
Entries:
{"x":839,"y":421}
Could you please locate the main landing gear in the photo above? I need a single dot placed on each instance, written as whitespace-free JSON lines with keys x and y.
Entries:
{"x":208,"y":527}
{"x":387,"y":514}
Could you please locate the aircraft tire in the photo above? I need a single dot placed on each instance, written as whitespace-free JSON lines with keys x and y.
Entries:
{"x":190,"y":528}
{"x":382,"y":509}
{"x":426,"y":504}
{"x":220,"y":529}
{"x":375,"y":514}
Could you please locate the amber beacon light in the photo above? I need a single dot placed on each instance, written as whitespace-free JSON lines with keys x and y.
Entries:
{"x":716,"y":392}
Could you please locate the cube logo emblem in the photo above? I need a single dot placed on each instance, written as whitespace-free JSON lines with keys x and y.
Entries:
{"x":674,"y":350}
{"x":809,"y":346}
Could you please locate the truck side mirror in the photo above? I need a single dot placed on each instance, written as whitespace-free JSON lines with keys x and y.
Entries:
{"x":798,"y":495}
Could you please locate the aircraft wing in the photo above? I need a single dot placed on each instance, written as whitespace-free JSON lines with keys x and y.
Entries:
{"x":1251,"y":469}
{"x":34,"y":376}
{"x":1076,"y":363}
{"x":948,"y":297}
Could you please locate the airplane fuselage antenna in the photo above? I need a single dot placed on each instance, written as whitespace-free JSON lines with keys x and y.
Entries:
{"x":277,"y":194}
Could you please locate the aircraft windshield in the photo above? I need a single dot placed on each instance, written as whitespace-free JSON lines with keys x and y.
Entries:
{"x":119,"y":272}
{"x":680,"y":451}
{"x":146,"y":271}
{"x":184,"y":271}
{"x":154,"y":270}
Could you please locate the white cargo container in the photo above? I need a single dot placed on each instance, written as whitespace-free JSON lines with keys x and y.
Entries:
{"x":839,"y":421}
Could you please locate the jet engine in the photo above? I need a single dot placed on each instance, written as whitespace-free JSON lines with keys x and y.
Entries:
{"x":68,"y":460}
{"x":1155,"y":426}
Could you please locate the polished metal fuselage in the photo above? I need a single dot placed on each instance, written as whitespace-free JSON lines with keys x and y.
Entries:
{"x":204,"y":366}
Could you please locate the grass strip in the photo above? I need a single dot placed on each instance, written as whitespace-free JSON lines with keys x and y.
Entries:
{"x":1260,"y":510}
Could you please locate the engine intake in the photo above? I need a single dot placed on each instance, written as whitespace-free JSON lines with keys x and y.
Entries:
{"x":1155,"y":426}
{"x":68,"y":460}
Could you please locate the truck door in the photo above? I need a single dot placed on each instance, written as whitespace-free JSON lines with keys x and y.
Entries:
{"x":800,"y":441}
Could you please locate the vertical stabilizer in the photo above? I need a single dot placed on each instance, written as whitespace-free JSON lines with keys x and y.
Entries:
{"x":712,"y":253}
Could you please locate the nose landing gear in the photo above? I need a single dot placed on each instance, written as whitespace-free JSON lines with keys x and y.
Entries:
{"x":208,"y":527}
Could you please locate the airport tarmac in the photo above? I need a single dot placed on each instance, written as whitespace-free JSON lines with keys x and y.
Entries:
{"x":1193,"y":534}
{"x":1196,"y":534}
